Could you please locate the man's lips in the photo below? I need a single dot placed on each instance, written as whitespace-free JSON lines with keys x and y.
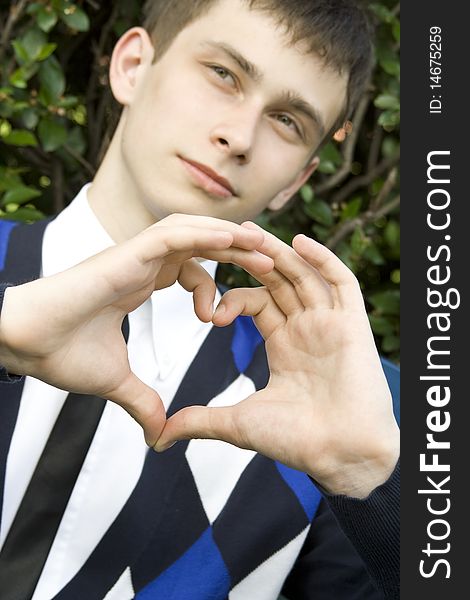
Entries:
{"x":207,"y":179}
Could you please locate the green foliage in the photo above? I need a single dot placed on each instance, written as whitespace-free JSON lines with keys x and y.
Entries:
{"x":54,"y":57}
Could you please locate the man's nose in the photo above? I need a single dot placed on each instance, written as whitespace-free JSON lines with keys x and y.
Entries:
{"x":236,"y":133}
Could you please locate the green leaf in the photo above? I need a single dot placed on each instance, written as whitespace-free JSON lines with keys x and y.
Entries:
{"x":389,"y":119}
{"x":30,"y":118}
{"x":68,"y":102}
{"x":389,"y":60}
{"x":351,"y":209}
{"x":75,"y":18}
{"x":52,"y":134}
{"x":331,"y":153}
{"x":373,"y":255}
{"x":359,"y":241}
{"x":33,"y":42}
{"x":387,"y":303}
{"x":20,"y":105}
{"x":330,"y":159}
{"x":5,"y":128}
{"x":21,"y":53}
{"x":26,"y":214}
{"x":306,"y":193}
{"x":46,"y":51}
{"x":387,"y":101}
{"x":320,"y":212}
{"x":390,"y":146}
{"x":33,"y":7}
{"x":20,"y":195}
{"x":9,"y":178}
{"x":17,"y":78}
{"x":20,"y":137}
{"x":21,"y":76}
{"x":391,"y":67}
{"x":46,"y":18}
{"x":52,"y":80}
{"x":327,"y":167}
{"x":79,"y":114}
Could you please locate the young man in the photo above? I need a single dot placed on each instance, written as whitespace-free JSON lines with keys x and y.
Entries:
{"x":225,"y":105}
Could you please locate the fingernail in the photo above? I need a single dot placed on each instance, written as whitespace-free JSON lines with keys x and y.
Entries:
{"x":162,"y":448}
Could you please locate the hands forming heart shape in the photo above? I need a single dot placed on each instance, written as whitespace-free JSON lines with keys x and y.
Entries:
{"x":326,"y":409}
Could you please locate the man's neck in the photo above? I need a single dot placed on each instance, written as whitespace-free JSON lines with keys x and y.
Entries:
{"x":114,"y":198}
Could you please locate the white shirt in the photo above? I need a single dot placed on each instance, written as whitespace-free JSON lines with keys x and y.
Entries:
{"x":165,"y":335}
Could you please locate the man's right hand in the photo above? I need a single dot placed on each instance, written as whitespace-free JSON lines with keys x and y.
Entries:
{"x":66,"y":329}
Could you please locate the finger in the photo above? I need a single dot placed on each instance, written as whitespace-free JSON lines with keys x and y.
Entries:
{"x":346,"y":289}
{"x":282,"y":288}
{"x":255,"y":302}
{"x":310,"y":287}
{"x":199,"y":422}
{"x":282,"y":291}
{"x":154,"y":243}
{"x":194,"y":278}
{"x":242,"y":237}
{"x":143,"y":404}
{"x":250,"y":260}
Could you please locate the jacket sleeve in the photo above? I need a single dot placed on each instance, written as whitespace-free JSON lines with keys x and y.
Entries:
{"x":4,"y":375}
{"x":345,"y":534}
{"x":373,"y":526}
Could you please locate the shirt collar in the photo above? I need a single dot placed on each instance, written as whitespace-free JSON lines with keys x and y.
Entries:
{"x":73,"y":236}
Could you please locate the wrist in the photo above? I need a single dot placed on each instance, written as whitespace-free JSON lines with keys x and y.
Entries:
{"x":358,"y":477}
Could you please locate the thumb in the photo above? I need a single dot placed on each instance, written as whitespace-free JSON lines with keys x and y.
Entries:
{"x":143,"y":404}
{"x":200,"y":422}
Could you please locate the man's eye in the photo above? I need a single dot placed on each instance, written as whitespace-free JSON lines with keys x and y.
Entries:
{"x":285,"y":120}
{"x":222,"y":72}
{"x":288,"y":122}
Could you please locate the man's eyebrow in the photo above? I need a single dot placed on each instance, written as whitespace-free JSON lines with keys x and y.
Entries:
{"x":297,"y":103}
{"x":288,"y":97}
{"x":247,"y":66}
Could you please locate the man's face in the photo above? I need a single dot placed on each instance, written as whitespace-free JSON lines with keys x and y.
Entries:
{"x":226,"y":122}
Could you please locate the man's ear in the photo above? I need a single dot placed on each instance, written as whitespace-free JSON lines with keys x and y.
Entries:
{"x":286,"y":194}
{"x":132,"y":54}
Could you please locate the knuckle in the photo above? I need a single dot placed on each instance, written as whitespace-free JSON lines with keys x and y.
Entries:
{"x":300,"y":279}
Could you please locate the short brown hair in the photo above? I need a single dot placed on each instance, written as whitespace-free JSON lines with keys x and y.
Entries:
{"x":336,"y":30}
